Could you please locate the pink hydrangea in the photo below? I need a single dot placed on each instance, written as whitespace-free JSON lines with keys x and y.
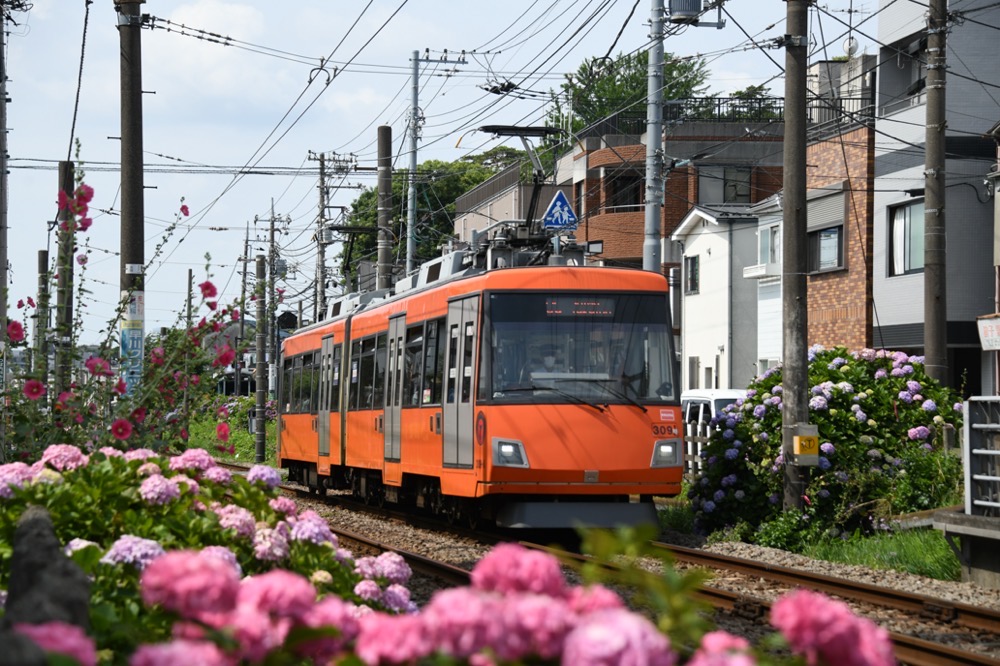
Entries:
{"x":332,"y":612}
{"x":256,"y":633}
{"x":397,"y":598}
{"x":613,"y":637}
{"x":13,"y":475}
{"x":533,"y":624}
{"x":584,"y":600}
{"x":217,"y":474}
{"x":224,"y":554}
{"x":510,"y":567}
{"x":368,"y":590}
{"x":270,"y":545}
{"x":236,"y":517}
{"x":61,"y":638}
{"x":463,"y":621}
{"x":149,"y":469}
{"x":196,"y":459}
{"x":180,"y":651}
{"x":821,"y":628}
{"x":190,"y":584}
{"x":285,"y":505}
{"x":719,"y":648}
{"x":111,"y":452}
{"x":157,"y":490}
{"x":64,"y":457}
{"x":396,"y":639}
{"x":269,"y":476}
{"x":140,"y":454}
{"x":278,"y":592}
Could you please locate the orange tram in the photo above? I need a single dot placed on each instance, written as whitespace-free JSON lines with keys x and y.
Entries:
{"x":533,"y":396}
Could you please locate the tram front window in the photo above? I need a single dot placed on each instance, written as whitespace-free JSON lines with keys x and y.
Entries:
{"x":604,"y":348}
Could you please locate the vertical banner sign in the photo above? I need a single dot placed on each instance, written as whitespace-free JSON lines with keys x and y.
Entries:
{"x":132,"y":340}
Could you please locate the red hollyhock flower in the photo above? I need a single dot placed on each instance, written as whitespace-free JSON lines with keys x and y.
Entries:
{"x":224,"y":356}
{"x":222,"y":432}
{"x":208,"y":290}
{"x":157,"y":356}
{"x":121,"y":429}
{"x":120,"y":387}
{"x":139,"y":415}
{"x":31,"y":301}
{"x":184,"y":210}
{"x":15,"y":331}
{"x":33,"y":389}
{"x":98,"y":366}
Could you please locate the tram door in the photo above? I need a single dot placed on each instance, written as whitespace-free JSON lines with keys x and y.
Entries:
{"x":458,"y":417}
{"x":394,"y":387}
{"x":325,"y":384}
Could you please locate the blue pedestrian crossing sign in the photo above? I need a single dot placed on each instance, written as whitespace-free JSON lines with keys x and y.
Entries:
{"x":560,"y":214}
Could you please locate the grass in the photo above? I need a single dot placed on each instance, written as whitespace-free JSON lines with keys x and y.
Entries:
{"x":202,"y":434}
{"x":923,"y":552}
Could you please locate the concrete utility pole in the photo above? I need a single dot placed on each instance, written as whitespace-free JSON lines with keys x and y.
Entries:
{"x":795,"y":376}
{"x":651,"y":254}
{"x":64,"y":285}
{"x":42,"y":318}
{"x":319,"y":306}
{"x":4,"y":202}
{"x":133,"y":317}
{"x":272,"y":308}
{"x":261,"y":377}
{"x":383,"y":269}
{"x":238,"y":363}
{"x":935,"y":294}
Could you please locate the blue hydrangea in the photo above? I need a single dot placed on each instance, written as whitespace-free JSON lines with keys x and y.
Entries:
{"x":708,"y":506}
{"x":913,"y":386}
{"x":836,"y":363}
{"x":719,"y":495}
{"x":269,"y":476}
{"x":730,"y":422}
{"x":824,"y":464}
{"x":823,"y":493}
{"x":929,"y":406}
{"x":773,"y":498}
{"x":739,"y":494}
{"x":906,"y":397}
{"x":729,"y":480}
{"x":129,"y":549}
{"x":728,"y":434}
{"x":731,"y":454}
{"x":759,"y":411}
{"x":874,"y":454}
{"x":764,"y":437}
{"x":827,"y":448}
{"x":881,"y":373}
{"x":841,"y":476}
{"x":860,"y":416}
{"x":817,"y":403}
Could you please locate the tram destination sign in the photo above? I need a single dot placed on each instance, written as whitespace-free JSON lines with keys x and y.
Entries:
{"x":579,"y":306}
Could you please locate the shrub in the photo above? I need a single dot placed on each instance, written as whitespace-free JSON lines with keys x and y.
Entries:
{"x":881,"y":424}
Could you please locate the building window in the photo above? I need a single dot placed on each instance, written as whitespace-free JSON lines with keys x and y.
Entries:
{"x":770,"y":245}
{"x":691,"y":275}
{"x":578,"y":198}
{"x":624,"y":191}
{"x":826,"y":249}
{"x":723,"y":185}
{"x":694,"y":366}
{"x":906,"y":239}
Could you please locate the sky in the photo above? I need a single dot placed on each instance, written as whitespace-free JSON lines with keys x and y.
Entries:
{"x":263,"y":85}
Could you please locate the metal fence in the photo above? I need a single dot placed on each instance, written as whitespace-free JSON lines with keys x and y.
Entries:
{"x":981,"y":456}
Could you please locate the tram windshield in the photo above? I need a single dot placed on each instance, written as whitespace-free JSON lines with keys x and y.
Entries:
{"x":594,"y":348}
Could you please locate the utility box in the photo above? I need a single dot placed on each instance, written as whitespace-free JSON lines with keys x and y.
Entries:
{"x":805,"y":445}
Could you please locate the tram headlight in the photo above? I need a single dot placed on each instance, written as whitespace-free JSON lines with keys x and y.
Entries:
{"x":666,"y":453}
{"x":509,"y":453}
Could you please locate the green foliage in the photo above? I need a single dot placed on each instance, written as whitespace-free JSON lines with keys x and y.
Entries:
{"x":438,"y":185}
{"x":923,"y":552}
{"x":233,"y":410}
{"x":881,"y":422}
{"x":602,"y":87}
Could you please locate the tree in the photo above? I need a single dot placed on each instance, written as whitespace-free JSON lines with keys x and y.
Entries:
{"x":602,"y":87}
{"x":438,"y":185}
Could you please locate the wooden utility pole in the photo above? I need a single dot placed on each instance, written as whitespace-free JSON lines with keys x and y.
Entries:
{"x":795,"y":375}
{"x":935,"y":294}
{"x":133,"y":296}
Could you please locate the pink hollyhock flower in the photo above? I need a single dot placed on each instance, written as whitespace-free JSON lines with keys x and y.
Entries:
{"x":185,"y":211}
{"x":84,"y":193}
{"x":224,"y":356}
{"x":612,"y":637}
{"x":719,"y":648}
{"x":120,"y":387}
{"x":277,"y":592}
{"x":235,"y":314}
{"x":98,"y":366}
{"x":334,"y":612}
{"x":15,"y":331}
{"x":81,"y":259}
{"x":211,"y":305}
{"x":121,"y":429}
{"x":394,"y":639}
{"x":222,"y":432}
{"x":33,"y":389}
{"x":156,"y":356}
{"x":63,"y":201}
{"x":222,"y":412}
{"x":190,"y":584}
{"x":180,"y":651}
{"x":61,"y":638}
{"x":85,"y":223}
{"x":821,"y":628}
{"x":510,"y":567}
{"x":208,"y":290}
{"x":64,"y":457}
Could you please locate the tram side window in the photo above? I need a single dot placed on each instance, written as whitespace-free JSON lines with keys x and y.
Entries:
{"x":295,"y":389}
{"x":412,"y":365}
{"x":310,"y":387}
{"x":354,"y":397}
{"x":433,"y":369}
{"x":286,"y":386}
{"x":378,"y":380}
{"x":365,"y":386}
{"x":335,"y":380}
{"x":468,"y":347}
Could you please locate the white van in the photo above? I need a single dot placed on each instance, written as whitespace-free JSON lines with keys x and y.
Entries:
{"x":699,"y":407}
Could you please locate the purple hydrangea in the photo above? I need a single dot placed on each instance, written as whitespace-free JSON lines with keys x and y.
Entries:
{"x":841,"y":476}
{"x":397,"y":598}
{"x":730,"y":422}
{"x":929,"y":406}
{"x":217,"y":474}
{"x":881,"y":373}
{"x":906,"y":397}
{"x":311,"y":527}
{"x":827,"y":448}
{"x":269,"y":476}
{"x":836,"y":363}
{"x":236,"y":517}
{"x":817,"y":403}
{"x":728,"y":433}
{"x":824,"y":464}
{"x":719,"y":495}
{"x":773,"y":498}
{"x":919,"y":433}
{"x":270,"y":545}
{"x":729,"y":480}
{"x":133,"y":550}
{"x":913,"y":386}
{"x":224,"y":554}
{"x":860,"y":416}
{"x":823,"y":493}
{"x":759,"y":411}
{"x":958,"y":407}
